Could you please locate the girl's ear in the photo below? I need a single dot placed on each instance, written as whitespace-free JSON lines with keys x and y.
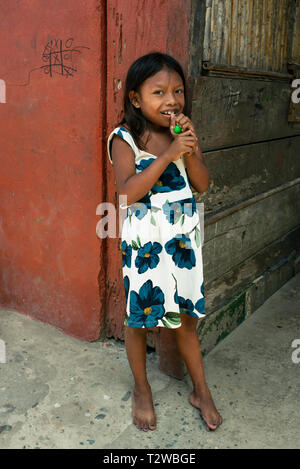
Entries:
{"x":133,"y":98}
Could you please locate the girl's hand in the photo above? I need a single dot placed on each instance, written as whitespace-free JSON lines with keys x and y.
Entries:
{"x":186,"y":142}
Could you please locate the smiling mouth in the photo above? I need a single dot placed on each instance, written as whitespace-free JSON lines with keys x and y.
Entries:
{"x":168,"y":114}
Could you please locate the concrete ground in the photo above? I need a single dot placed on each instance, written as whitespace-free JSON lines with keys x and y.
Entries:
{"x":59,"y":392}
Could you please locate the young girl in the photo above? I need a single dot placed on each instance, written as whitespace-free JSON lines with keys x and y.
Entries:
{"x":161,"y":247}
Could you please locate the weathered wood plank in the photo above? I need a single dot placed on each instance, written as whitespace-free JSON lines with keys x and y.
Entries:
{"x":231,"y":300}
{"x":229,"y":112}
{"x":240,"y":173}
{"x":232,"y":282}
{"x":238,"y":236}
{"x":196,"y":39}
{"x":250,"y":34}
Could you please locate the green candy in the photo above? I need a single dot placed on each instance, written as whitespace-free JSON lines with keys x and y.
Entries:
{"x":177,"y":129}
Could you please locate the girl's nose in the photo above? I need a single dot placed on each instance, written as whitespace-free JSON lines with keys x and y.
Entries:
{"x":171,"y":98}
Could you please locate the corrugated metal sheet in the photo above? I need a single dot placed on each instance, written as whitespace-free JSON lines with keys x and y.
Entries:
{"x":249,"y":34}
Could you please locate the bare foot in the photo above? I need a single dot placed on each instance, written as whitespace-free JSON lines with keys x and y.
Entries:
{"x":204,"y":402}
{"x":142,"y":409}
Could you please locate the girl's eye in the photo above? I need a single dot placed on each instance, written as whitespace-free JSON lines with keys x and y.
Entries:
{"x":160,"y":91}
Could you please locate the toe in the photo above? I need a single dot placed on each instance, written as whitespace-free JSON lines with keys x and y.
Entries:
{"x":137,"y":423}
{"x":212,"y":426}
{"x":144,"y":426}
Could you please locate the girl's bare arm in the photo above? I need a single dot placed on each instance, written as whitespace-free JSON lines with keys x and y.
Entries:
{"x":135,"y":186}
{"x":197,"y":171}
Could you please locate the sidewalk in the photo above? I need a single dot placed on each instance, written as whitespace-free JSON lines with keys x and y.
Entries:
{"x":59,"y":392}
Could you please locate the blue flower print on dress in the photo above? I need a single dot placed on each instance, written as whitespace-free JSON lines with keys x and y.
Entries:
{"x":126,"y":286}
{"x":200,"y":304}
{"x":168,"y":181}
{"x":141,"y":207}
{"x":189,"y":207}
{"x":181,"y":251}
{"x":126,"y":254}
{"x":185,"y":306}
{"x":174,"y":210}
{"x":147,"y":306}
{"x":147,"y":256}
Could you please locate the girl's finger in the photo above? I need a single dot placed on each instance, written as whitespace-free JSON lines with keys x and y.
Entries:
{"x":192,"y":133}
{"x":183,"y":125}
{"x":189,"y":144}
{"x":179,"y":116}
{"x":186,"y":127}
{"x":186,"y":132}
{"x":184,"y":121}
{"x":191,"y":138}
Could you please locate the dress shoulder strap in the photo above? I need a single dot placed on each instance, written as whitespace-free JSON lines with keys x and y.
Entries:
{"x":125,"y":135}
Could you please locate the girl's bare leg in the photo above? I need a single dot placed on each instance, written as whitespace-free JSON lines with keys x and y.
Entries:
{"x":189,"y":346}
{"x":142,"y":404}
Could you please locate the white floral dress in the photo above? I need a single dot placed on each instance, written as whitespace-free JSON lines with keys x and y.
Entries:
{"x":161,"y":247}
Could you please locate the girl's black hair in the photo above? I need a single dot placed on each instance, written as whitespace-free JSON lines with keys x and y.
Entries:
{"x":143,"y":68}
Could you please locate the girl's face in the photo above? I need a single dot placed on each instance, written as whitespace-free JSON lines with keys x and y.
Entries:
{"x":159,"y":94}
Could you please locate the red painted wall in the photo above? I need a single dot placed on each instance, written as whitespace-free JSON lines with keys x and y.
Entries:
{"x":51,"y":161}
{"x":54,"y":166}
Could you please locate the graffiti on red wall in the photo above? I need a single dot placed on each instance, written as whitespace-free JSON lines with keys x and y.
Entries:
{"x":58,"y":55}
